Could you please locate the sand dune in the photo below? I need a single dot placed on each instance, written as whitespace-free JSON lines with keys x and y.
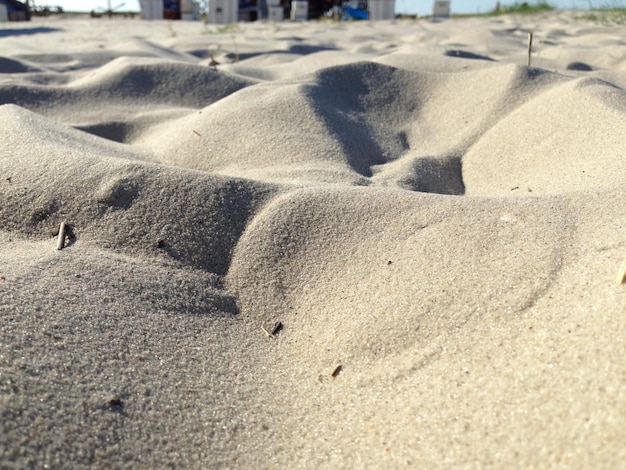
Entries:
{"x":436,"y":226}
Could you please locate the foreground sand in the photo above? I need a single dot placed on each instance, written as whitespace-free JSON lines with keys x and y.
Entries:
{"x":408,"y":198}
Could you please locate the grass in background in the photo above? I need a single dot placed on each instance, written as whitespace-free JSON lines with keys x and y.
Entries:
{"x":614,"y":13}
{"x":524,"y":8}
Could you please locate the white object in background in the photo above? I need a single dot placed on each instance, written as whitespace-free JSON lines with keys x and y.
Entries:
{"x":151,"y":9}
{"x":441,"y":8}
{"x":382,"y":9}
{"x":277,"y":13}
{"x":223,"y":11}
{"x":187,"y":10}
{"x":299,"y":10}
{"x":4,"y":14}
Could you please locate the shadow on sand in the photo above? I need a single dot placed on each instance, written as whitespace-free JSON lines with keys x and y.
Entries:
{"x":25,"y":31}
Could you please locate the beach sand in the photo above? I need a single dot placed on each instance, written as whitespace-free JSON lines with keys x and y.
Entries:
{"x":436,"y":226}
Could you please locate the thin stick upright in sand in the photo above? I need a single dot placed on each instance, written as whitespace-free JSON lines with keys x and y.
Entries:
{"x":530,"y":46}
{"x":61,"y":239}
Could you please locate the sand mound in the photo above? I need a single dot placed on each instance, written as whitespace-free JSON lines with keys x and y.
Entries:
{"x":523,"y":153}
{"x":107,"y":199}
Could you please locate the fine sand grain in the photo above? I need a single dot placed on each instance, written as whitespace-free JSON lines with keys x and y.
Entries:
{"x":438,"y":228}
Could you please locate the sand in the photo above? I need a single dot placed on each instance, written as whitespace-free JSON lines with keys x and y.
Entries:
{"x":436,"y":226}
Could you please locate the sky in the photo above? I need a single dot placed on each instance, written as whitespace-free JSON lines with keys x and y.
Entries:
{"x":422,"y":7}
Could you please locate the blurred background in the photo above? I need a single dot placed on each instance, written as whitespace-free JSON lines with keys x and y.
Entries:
{"x":420,"y":7}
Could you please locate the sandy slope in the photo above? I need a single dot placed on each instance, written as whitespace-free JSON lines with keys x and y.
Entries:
{"x":408,"y":198}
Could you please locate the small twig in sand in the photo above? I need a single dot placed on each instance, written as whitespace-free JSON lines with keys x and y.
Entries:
{"x":337,"y":371}
{"x":621,"y":275}
{"x":274,"y":331}
{"x":196,"y":132}
{"x":61,"y":239}
{"x":277,"y":327}
{"x":530,"y":46}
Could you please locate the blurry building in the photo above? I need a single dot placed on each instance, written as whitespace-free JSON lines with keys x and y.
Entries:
{"x":12,"y":10}
{"x":169,"y":9}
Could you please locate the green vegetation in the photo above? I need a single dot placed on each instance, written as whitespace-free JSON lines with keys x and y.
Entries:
{"x":524,"y":8}
{"x":228,"y":29}
{"x":520,"y":8}
{"x":604,"y":15}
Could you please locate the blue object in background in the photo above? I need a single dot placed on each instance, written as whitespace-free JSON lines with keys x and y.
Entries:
{"x":354,"y":10}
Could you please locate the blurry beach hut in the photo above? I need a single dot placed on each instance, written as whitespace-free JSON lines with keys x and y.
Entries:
{"x":441,"y":8}
{"x":169,"y":10}
{"x":381,"y":9}
{"x":299,"y":10}
{"x":303,"y":10}
{"x":225,"y":11}
{"x":249,"y":10}
{"x":12,"y":10}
